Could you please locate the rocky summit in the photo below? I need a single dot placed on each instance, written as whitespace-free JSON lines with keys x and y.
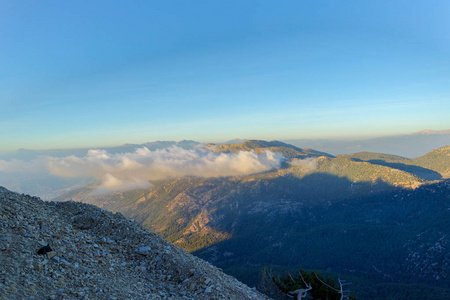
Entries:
{"x":71,"y":250}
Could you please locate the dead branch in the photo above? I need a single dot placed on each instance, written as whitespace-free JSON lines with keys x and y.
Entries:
{"x":301,"y":293}
{"x":341,"y":284}
{"x":302,"y":278}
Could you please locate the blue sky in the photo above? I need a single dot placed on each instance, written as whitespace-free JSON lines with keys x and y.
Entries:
{"x":93,"y":73}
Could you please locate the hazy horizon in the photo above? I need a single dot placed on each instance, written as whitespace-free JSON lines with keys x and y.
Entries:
{"x":49,"y":173}
{"x":218,"y":141}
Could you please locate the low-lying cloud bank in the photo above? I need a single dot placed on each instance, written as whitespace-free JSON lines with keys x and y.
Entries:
{"x":307,"y":164}
{"x":134,"y":170}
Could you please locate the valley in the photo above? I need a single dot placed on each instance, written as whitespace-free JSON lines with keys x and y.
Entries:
{"x":381,"y":221}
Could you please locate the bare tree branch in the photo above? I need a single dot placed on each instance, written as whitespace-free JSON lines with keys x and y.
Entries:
{"x":341,"y":285}
{"x":301,"y":293}
{"x":300,"y":272}
{"x":291,"y":277}
{"x":327,"y":284}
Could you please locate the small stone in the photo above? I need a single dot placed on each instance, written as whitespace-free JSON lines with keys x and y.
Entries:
{"x":83,"y":222}
{"x":141,"y":269}
{"x":64,"y":262}
{"x":51,"y":254}
{"x":60,"y":283}
{"x":41,"y":265}
{"x":171,"y":288}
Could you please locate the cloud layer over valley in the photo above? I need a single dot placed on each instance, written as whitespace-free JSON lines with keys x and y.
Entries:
{"x":133,"y":170}
{"x":306,"y":164}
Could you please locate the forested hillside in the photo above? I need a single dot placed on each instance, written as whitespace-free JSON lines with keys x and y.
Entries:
{"x":286,"y":150}
{"x":437,"y":160}
{"x":367,"y":216}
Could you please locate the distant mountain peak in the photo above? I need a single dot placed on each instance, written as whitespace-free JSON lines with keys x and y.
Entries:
{"x":432,"y":131}
{"x":236,"y":141}
{"x":287,"y":150}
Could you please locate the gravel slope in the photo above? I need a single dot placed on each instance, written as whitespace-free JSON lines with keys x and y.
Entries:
{"x":97,"y":255}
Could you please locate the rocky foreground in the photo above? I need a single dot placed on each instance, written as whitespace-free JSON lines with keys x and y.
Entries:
{"x":89,"y":253}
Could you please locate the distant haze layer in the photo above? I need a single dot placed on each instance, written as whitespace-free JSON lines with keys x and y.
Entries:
{"x":51,"y":173}
{"x":135,"y":170}
{"x":406,"y":145}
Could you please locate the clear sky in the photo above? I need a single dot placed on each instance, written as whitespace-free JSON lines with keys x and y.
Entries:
{"x":92,"y":73}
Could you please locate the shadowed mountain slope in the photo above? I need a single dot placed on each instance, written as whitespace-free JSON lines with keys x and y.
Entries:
{"x":437,"y":160}
{"x":404,"y":164}
{"x":374,"y":221}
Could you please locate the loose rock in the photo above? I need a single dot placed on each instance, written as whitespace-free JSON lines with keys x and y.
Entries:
{"x":96,"y":254}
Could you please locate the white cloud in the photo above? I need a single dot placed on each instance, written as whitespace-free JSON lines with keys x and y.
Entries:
{"x":111,"y":183}
{"x":307,"y":164}
{"x":127,"y":171}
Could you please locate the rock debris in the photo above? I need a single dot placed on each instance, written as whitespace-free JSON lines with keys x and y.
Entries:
{"x":89,"y":253}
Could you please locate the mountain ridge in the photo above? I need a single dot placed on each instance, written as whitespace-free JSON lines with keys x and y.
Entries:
{"x":287,"y":150}
{"x":216,"y":217}
{"x":406,"y":145}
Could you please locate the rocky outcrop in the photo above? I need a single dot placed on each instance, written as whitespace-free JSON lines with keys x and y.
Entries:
{"x":89,"y":253}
